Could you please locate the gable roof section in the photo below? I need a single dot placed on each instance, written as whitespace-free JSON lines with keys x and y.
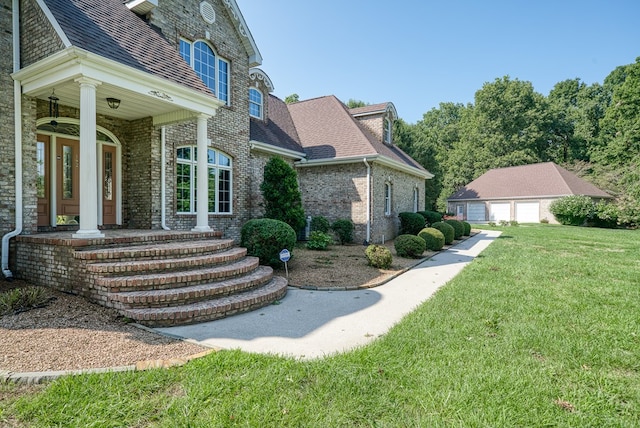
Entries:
{"x":527,"y":181}
{"x":328,"y":132}
{"x":109,"y":29}
{"x":374,"y":109}
{"x":278,"y":130}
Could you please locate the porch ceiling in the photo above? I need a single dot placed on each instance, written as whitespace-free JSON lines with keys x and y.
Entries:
{"x":140,"y":94}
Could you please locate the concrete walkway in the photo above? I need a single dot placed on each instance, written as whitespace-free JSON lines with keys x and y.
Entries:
{"x":311,"y":324}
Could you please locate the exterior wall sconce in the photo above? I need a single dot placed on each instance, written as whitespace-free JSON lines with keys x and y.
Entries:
{"x":114,"y":103}
{"x":54,"y":109}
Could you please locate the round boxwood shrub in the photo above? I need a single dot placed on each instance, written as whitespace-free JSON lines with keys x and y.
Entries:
{"x":320,"y":224}
{"x":431,"y":216}
{"x":319,"y":240}
{"x":265,"y":238}
{"x":458,"y":228}
{"x":446,"y":229}
{"x":605,"y":214}
{"x":433,"y":238}
{"x":343,"y":228}
{"x":378,"y":256}
{"x":409,"y":246}
{"x":467,"y":228}
{"x":411,"y":223}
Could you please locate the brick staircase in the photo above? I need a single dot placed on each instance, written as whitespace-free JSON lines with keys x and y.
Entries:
{"x":173,"y":282}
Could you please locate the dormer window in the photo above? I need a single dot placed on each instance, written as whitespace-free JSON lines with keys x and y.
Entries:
{"x":387,"y":131}
{"x":255,"y":103}
{"x":210,"y":67}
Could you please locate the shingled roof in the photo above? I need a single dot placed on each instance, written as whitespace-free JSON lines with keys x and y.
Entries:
{"x":97,"y":27}
{"x":328,"y":131}
{"x":527,"y":181}
{"x":278,"y":130}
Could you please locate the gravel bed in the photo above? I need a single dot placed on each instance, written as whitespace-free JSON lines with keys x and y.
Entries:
{"x":72,"y":334}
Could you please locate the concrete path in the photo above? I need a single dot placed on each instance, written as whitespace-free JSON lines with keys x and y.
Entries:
{"x":311,"y":324}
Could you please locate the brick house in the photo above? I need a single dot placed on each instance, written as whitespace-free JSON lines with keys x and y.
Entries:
{"x":106,"y":103}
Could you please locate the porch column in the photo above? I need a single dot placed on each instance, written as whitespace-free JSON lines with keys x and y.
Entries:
{"x":202,"y":207}
{"x":88,"y":164}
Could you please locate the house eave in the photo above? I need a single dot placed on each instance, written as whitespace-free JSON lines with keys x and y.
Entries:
{"x":270,"y":149}
{"x":529,"y":197}
{"x":376,"y":158}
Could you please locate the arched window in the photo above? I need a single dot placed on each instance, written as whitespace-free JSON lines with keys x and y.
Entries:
{"x":212,"y":69}
{"x":219,"y":168}
{"x":255,"y":103}
{"x":387,"y":133}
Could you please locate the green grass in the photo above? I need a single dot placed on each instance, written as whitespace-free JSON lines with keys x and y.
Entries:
{"x":540,"y":330}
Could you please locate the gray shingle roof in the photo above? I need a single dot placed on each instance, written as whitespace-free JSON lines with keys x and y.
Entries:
{"x":109,"y":29}
{"x":278,"y":130}
{"x":527,"y":181}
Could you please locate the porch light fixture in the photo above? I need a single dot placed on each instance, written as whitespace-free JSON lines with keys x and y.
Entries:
{"x":54,"y":110}
{"x":114,"y":103}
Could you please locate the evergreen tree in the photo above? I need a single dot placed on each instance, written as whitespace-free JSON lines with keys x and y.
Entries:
{"x":282,"y":198}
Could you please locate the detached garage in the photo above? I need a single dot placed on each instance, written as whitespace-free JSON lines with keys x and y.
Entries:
{"x":520,"y":193}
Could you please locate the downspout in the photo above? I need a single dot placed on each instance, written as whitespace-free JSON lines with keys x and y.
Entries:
{"x":17,"y":101}
{"x":368,"y":200}
{"x":163,"y":177}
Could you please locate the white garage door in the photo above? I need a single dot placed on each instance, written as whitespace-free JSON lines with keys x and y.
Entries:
{"x":528,"y":212}
{"x":475,"y":212}
{"x":500,"y":211}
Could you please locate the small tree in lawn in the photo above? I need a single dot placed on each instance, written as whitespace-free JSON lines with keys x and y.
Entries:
{"x":282,"y":199}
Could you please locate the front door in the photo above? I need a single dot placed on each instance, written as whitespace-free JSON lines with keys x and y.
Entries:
{"x":67,"y":181}
{"x":62,"y":183}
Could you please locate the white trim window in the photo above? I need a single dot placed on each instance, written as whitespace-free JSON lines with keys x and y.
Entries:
{"x":220,"y":181}
{"x":416,"y":199}
{"x":387,"y":198}
{"x":212,"y":69}
{"x":387,"y":131}
{"x":255,"y":103}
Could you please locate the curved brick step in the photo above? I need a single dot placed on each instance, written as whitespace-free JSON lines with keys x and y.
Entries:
{"x":165,"y":280}
{"x":157,"y":250}
{"x":191,"y":294}
{"x":133,"y":267}
{"x":212,"y":309}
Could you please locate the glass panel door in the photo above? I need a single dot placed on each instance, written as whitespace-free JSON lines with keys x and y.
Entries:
{"x":108,"y":184}
{"x":68,"y":185}
{"x":42,"y":184}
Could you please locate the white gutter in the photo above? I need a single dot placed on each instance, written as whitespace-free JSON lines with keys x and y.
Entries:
{"x":17,"y":118}
{"x":381,"y":159}
{"x":368,"y":200}
{"x":163,"y":177}
{"x":268,"y":148}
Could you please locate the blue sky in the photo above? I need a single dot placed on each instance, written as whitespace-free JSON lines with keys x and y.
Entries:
{"x":419,"y":53}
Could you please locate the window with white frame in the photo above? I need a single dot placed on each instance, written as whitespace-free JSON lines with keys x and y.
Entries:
{"x":219,"y":176}
{"x":387,"y":132}
{"x":416,"y":199}
{"x":212,"y":69}
{"x":255,"y":103}
{"x":387,"y":198}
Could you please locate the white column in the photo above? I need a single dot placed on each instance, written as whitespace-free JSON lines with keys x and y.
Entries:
{"x":88,"y":164}
{"x":202,"y":217}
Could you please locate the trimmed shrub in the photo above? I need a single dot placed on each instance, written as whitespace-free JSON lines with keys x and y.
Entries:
{"x":320,"y":224}
{"x":409,"y":246}
{"x":319,"y":240}
{"x":343,"y":228}
{"x":458,"y":228}
{"x":411,"y":223}
{"x":282,"y":198}
{"x":265,"y":238}
{"x":572,"y":210}
{"x":446,"y":229}
{"x":379,"y":256}
{"x":467,"y":228}
{"x":431,"y":216}
{"x":433,"y":238}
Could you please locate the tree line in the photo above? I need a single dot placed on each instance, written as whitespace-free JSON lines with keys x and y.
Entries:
{"x":591,"y":130}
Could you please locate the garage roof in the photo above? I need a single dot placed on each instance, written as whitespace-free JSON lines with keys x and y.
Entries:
{"x":527,"y":181}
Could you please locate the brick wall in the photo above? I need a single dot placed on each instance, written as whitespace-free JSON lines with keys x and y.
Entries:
{"x":41,"y":40}
{"x":374,"y":123}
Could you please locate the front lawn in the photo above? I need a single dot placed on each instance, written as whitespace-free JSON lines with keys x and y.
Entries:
{"x":541,"y":330}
